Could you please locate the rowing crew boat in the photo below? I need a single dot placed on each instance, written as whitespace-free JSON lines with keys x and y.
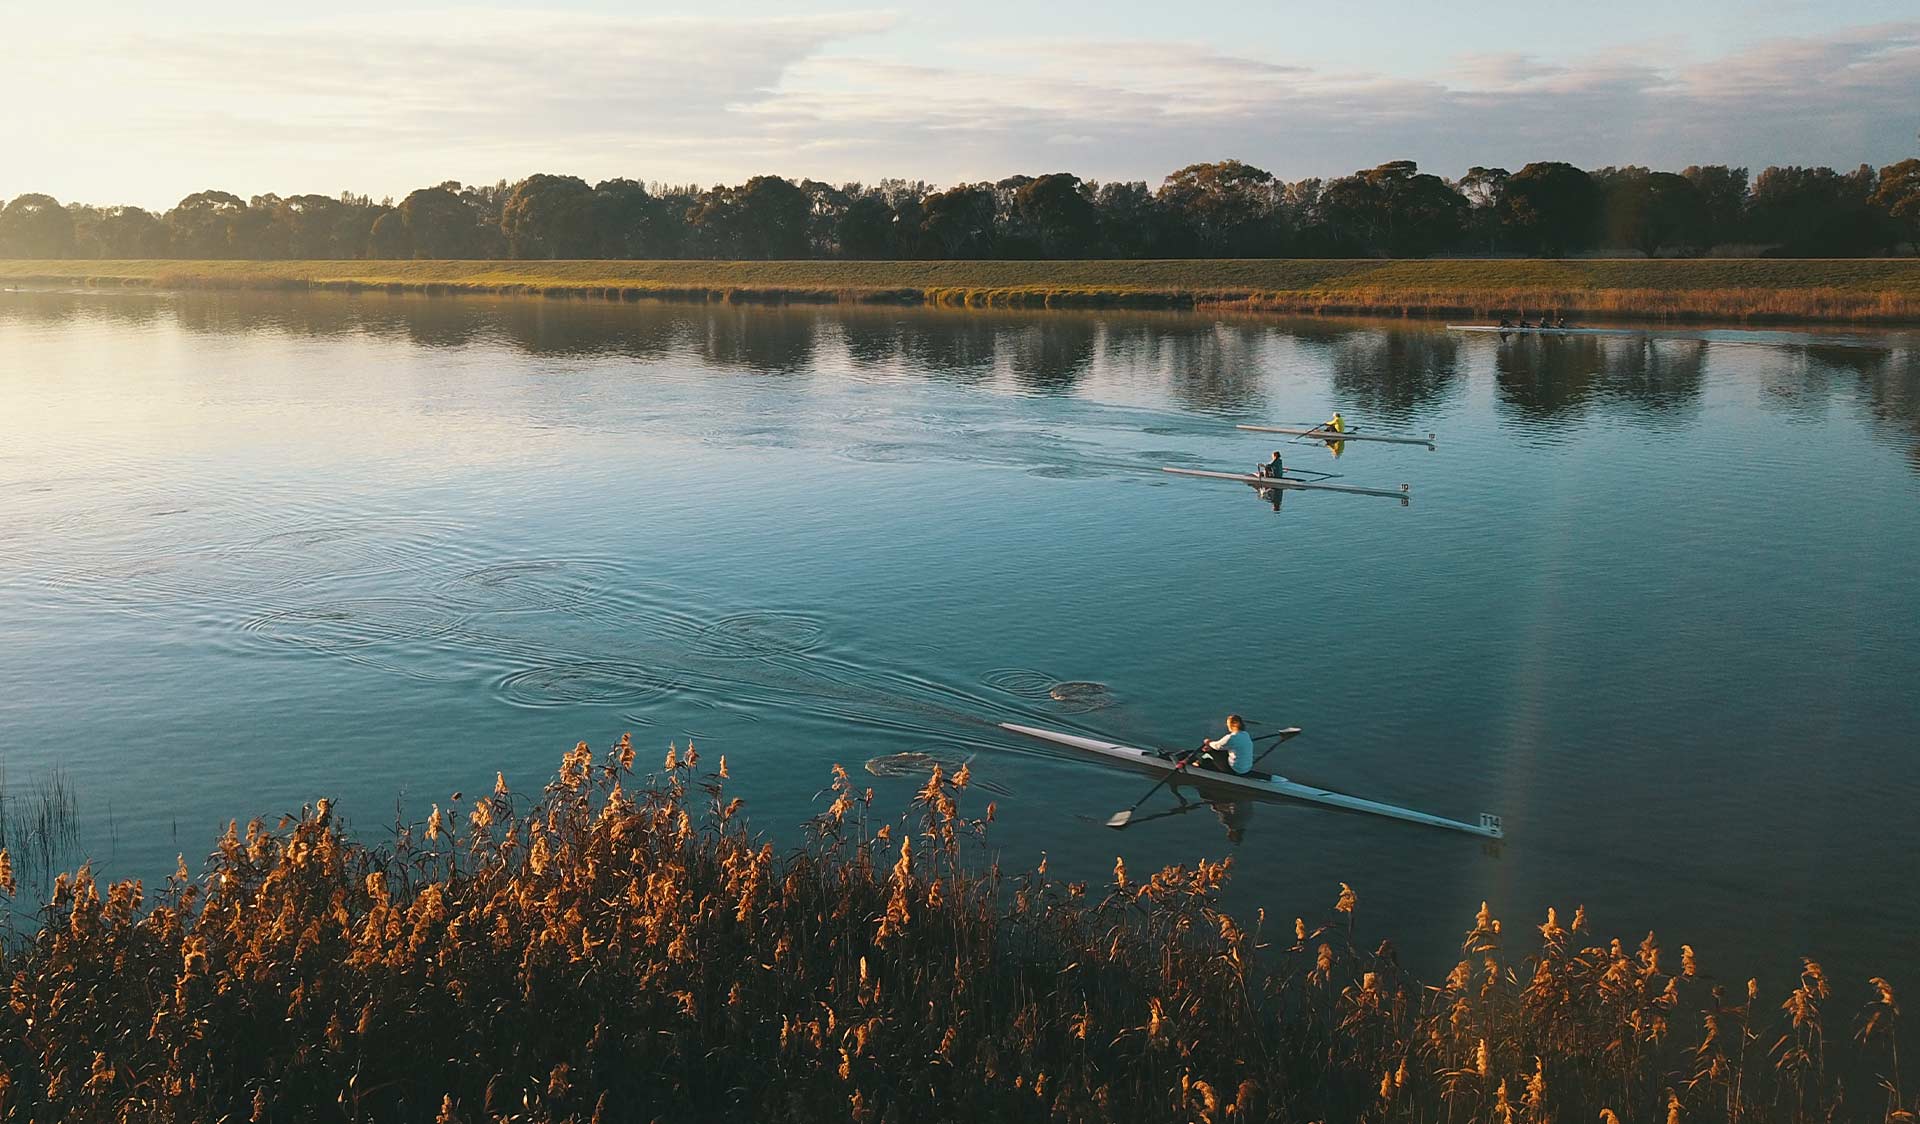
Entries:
{"x":1546,"y":331}
{"x":1261,"y":784}
{"x":1288,"y":482}
{"x":1329,"y":435}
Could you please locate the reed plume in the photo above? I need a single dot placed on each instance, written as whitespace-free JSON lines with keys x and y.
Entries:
{"x":623,"y":946}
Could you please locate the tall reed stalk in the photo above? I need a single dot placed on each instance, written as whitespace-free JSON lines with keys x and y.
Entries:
{"x":621,"y":946}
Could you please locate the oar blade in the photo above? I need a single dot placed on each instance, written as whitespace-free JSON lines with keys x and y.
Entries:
{"x":1120,"y":819}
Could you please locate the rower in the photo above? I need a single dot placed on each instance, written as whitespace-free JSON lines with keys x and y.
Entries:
{"x":1272,"y":468}
{"x":1505,"y":323}
{"x":1338,"y":424}
{"x":1232,"y":752}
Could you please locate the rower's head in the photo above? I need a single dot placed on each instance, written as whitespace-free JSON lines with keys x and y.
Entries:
{"x":1235,"y":724}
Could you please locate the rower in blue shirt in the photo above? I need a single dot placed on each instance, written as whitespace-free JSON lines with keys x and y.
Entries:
{"x":1232,"y":752}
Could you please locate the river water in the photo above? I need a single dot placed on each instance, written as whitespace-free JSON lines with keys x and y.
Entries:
{"x":1654,"y":601}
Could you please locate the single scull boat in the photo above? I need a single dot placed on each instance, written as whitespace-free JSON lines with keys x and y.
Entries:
{"x":1331,"y":436}
{"x":1288,"y":482}
{"x":1262,"y":784}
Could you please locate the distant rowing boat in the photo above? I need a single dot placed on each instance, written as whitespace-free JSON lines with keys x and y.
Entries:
{"x":1330,"y":436}
{"x":1263,"y":784}
{"x":1546,"y":331}
{"x":1287,"y":482}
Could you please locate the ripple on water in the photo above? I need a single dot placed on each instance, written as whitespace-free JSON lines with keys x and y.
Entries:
{"x":760,"y":635}
{"x":332,"y":547}
{"x":1071,"y":695}
{"x":1081,"y":695}
{"x":352,"y":624}
{"x":585,"y":682}
{"x":881,"y":452}
{"x":920,"y":763}
{"x":764,"y":437}
{"x":1023,"y":682}
{"x":172,"y":578}
{"x":524,"y":611}
{"x":535,"y":584}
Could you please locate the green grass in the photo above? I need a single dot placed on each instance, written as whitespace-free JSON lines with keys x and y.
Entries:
{"x":1736,"y":289}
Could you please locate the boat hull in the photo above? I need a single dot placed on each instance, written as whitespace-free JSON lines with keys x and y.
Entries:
{"x":1288,"y":483}
{"x":1330,"y":437}
{"x":1260,"y":784}
{"x":1544,"y":331}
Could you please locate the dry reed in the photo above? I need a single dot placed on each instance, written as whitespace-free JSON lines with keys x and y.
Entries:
{"x":1878,"y":290}
{"x":623,"y":947}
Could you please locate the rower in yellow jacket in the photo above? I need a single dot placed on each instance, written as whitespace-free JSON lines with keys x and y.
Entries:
{"x":1336,"y":424}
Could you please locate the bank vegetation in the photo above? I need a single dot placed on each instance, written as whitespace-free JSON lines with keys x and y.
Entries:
{"x":622,"y":947}
{"x":1750,"y":290}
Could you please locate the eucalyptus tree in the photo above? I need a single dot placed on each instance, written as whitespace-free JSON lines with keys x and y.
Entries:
{"x":203,"y":224}
{"x":865,"y":230}
{"x":958,"y":223}
{"x":35,"y":226}
{"x":1723,"y":195}
{"x":1897,"y":194}
{"x":1057,"y":210}
{"x":550,"y":217}
{"x":764,"y":218}
{"x":1552,"y":208}
{"x":117,"y":232}
{"x":1817,"y":212}
{"x":1651,"y":211}
{"x":1226,"y":209}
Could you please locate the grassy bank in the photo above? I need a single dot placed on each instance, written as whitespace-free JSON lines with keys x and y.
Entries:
{"x":1707,"y":290}
{"x":620,"y":947}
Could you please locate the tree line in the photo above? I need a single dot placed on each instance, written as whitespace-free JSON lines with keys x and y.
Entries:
{"x":1222,"y":209}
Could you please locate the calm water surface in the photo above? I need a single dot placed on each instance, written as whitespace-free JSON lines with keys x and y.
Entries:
{"x":1654,"y":602}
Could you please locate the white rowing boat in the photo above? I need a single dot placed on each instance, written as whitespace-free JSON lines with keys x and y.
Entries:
{"x":1289,"y":482}
{"x":1260,"y":784}
{"x":1330,"y":436}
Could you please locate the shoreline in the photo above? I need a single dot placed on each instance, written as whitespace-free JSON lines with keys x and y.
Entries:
{"x":1877,"y":291}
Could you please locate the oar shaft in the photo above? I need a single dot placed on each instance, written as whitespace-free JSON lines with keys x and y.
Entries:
{"x":1121,"y":819}
{"x":1283,"y":735}
{"x":1157,"y":785}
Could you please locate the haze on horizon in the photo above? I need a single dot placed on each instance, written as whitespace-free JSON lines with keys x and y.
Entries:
{"x":122,"y":102}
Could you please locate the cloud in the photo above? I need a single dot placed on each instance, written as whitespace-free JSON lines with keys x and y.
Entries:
{"x":385,"y":104}
{"x":1140,"y":109}
{"x":389,"y":103}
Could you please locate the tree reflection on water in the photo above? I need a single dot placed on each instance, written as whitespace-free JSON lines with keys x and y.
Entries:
{"x":1387,"y":373}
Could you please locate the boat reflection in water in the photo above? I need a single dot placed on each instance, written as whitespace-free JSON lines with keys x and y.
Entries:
{"x":1234,"y":813}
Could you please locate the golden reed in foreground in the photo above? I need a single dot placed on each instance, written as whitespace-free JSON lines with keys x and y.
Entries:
{"x":622,"y":948}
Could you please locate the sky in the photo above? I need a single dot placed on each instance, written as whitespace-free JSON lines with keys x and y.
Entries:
{"x":128,"y":101}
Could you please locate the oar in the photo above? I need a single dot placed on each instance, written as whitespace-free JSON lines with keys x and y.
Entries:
{"x":1284,"y":735}
{"x":1121,"y":819}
